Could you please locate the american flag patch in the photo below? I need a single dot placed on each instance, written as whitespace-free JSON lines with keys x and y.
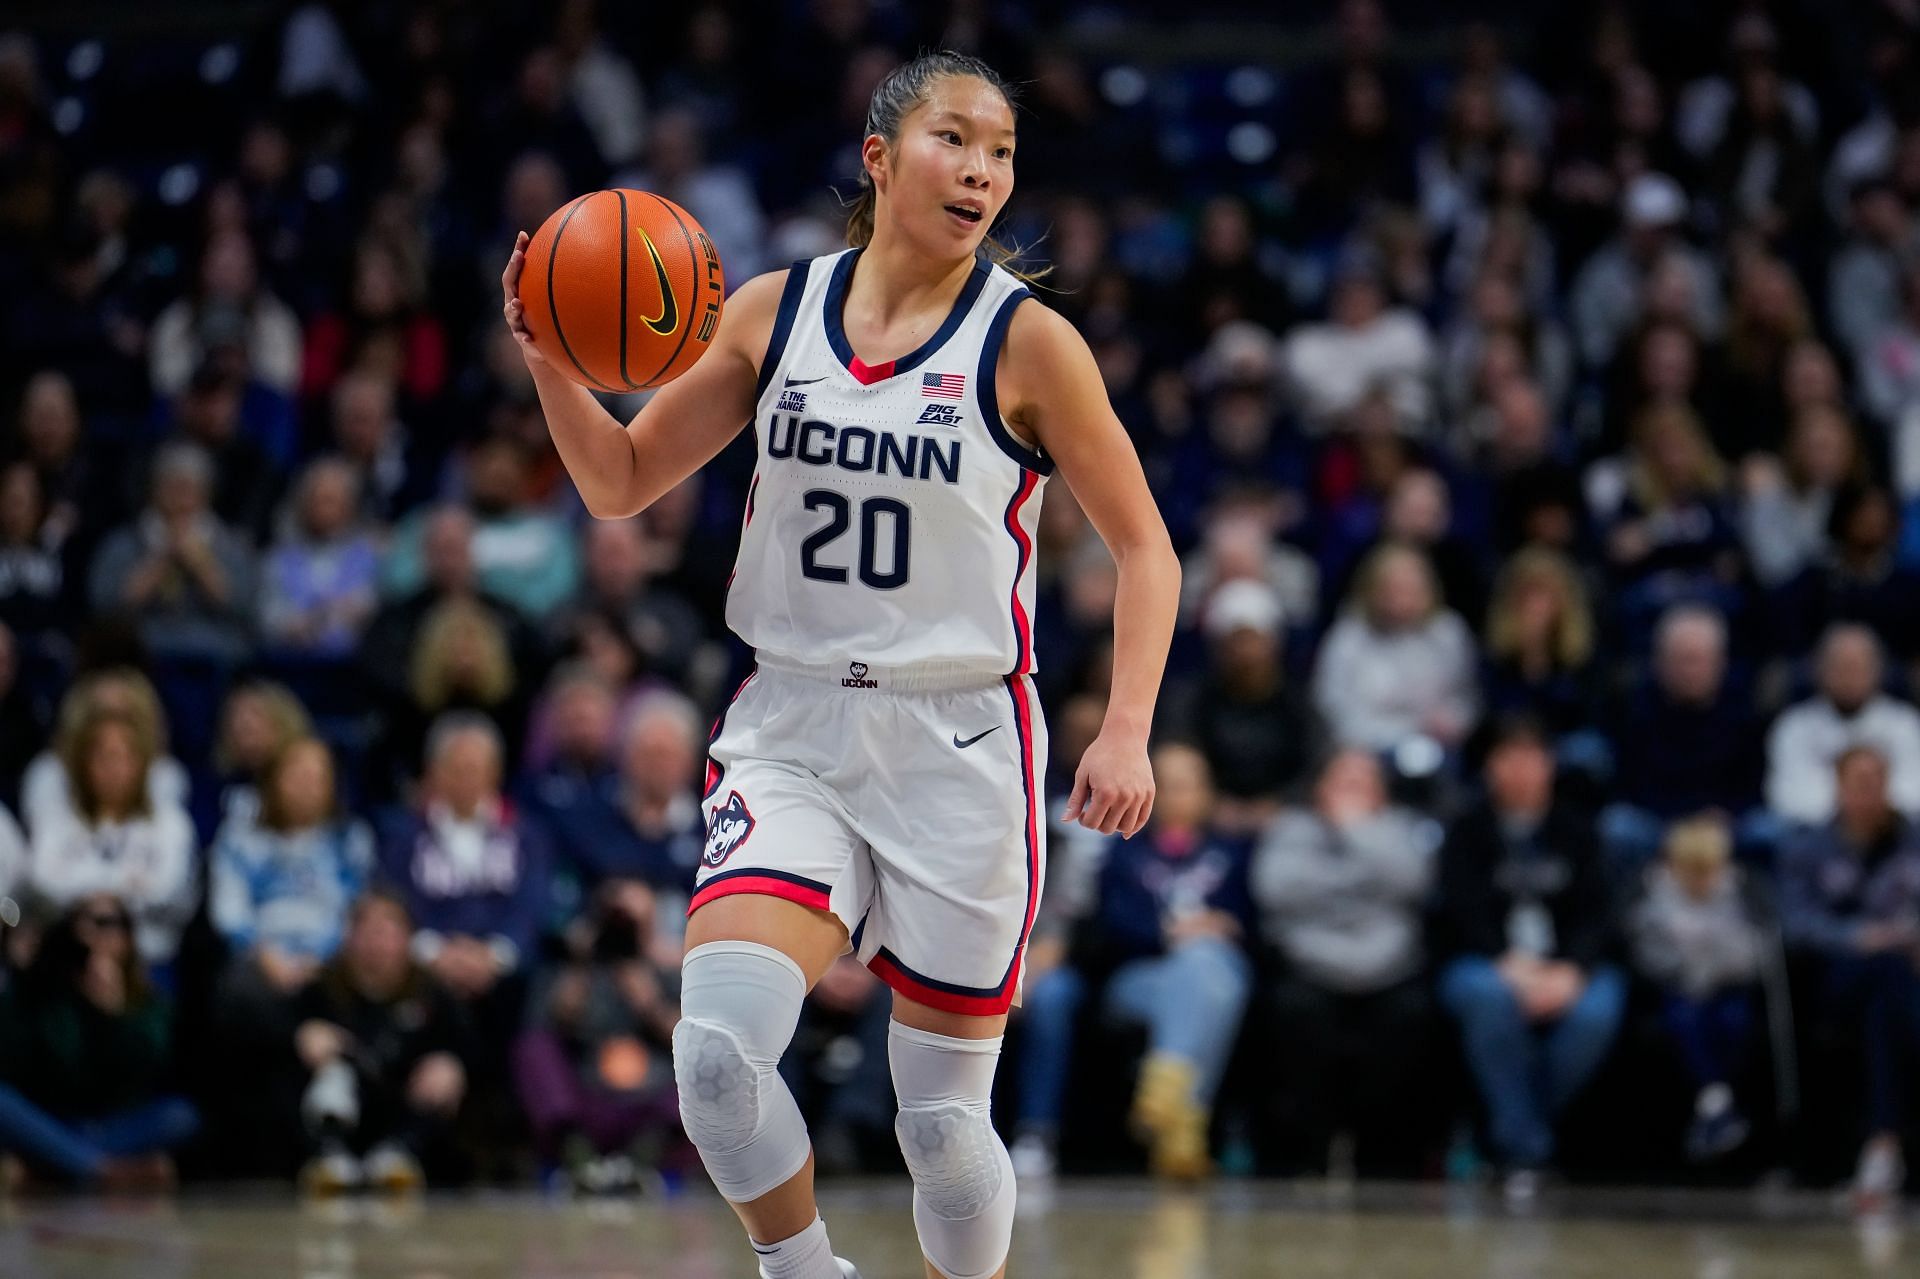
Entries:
{"x":943,"y":386}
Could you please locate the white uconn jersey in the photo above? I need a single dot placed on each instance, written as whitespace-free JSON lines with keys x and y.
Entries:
{"x":891,"y":517}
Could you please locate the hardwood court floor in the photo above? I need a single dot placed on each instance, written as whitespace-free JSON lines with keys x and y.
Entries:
{"x":1108,"y":1230}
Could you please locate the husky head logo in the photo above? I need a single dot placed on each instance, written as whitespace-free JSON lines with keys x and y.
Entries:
{"x":857,"y":669}
{"x":729,"y":828}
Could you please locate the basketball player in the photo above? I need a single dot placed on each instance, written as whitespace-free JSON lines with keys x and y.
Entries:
{"x":876,"y":781}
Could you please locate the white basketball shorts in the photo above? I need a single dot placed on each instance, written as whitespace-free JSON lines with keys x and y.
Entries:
{"x":907,"y":802}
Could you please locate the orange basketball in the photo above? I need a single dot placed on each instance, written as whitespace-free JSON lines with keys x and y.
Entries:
{"x":621,"y":290}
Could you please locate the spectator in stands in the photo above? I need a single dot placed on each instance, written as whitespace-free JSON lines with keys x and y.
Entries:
{"x":641,"y":821}
{"x":1398,"y":663}
{"x":45,"y":793}
{"x":1850,"y":894}
{"x":320,"y":581}
{"x":1606,"y":297}
{"x":1865,"y":276}
{"x":1859,"y":579}
{"x":1261,"y":737}
{"x":246,"y":479}
{"x":36,"y":595}
{"x":1364,"y":346}
{"x":460,"y":661}
{"x":1688,"y":741}
{"x":283,"y":879}
{"x":1165,"y":946}
{"x":617,"y":581}
{"x":118,"y":837}
{"x":258,"y":722}
{"x":13,"y":857}
{"x":25,"y":713}
{"x":595,"y":1065}
{"x":474,"y":873}
{"x":184,"y":576}
{"x":1788,"y":502}
{"x":1344,"y":1017}
{"x":1524,"y":929}
{"x":522,"y":555}
{"x":370,"y":437}
{"x":1540,"y":648}
{"x":571,"y":737}
{"x":1889,"y":369}
{"x":84,"y":1042}
{"x":383,"y":1045}
{"x":1699,"y":932}
{"x":386,"y":327}
{"x":1850,"y":708}
{"x":1672,"y":537}
{"x":52,"y":439}
{"x":227,"y":298}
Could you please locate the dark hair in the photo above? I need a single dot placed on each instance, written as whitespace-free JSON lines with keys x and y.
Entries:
{"x":903,"y":89}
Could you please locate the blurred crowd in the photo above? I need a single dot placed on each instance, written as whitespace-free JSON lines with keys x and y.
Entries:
{"x":1535,"y":406}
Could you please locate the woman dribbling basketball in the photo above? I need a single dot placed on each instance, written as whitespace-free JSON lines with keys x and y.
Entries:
{"x":876,"y":781}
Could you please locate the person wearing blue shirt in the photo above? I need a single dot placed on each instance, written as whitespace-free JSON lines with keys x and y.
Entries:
{"x":1165,"y":942}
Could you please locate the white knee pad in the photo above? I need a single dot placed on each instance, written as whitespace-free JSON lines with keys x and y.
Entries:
{"x":739,"y":1003}
{"x":963,"y":1191}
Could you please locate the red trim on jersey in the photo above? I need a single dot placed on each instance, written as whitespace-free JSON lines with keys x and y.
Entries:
{"x":714,"y":770}
{"x":765,"y":885}
{"x":867,"y":374}
{"x":1022,"y":628}
{"x":745,"y":524}
{"x":947,"y":1002}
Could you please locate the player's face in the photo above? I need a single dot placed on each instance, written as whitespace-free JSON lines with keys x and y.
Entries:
{"x":952,"y":168}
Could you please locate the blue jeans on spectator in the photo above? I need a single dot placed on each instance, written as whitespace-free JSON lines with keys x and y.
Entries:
{"x":1528,"y":1072}
{"x":1713,"y":1033}
{"x":1190,"y":1000}
{"x":1882,"y":993}
{"x":79,"y":1148}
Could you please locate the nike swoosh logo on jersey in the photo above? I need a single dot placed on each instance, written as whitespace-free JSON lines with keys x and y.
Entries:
{"x":805,"y":381}
{"x":971,"y":740}
{"x":669,"y":318}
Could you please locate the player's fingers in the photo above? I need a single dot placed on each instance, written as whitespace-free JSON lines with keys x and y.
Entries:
{"x":1077,"y":798}
{"x":1101,"y":814}
{"x":1136,"y":816}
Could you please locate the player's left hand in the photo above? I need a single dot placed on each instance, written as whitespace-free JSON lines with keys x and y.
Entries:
{"x":1113,"y":787}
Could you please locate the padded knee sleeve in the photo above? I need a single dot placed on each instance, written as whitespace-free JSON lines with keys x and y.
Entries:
{"x":963,"y":1192}
{"x":739,"y":1003}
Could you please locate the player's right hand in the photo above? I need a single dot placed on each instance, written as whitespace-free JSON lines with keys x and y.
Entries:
{"x":511,"y":307}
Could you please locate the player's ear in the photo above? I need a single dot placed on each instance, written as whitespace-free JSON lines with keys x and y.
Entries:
{"x":874,"y":154}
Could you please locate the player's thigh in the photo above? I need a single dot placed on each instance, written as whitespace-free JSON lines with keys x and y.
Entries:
{"x":811,"y":938}
{"x":937,"y":1021}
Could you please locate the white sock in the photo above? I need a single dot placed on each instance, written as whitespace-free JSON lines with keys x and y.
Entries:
{"x":804,"y":1256}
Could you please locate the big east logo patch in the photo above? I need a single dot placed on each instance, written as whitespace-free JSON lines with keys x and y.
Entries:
{"x":729,"y":828}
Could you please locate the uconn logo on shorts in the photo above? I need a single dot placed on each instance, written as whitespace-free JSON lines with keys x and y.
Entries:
{"x":857,"y":677}
{"x":731,"y":825}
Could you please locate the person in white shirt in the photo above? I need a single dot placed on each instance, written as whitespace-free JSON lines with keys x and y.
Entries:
{"x":1849,"y":710}
{"x":1365,"y":346}
{"x":118,"y":837}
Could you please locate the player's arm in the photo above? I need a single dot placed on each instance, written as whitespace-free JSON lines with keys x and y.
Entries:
{"x":621,"y":470}
{"x":1056,"y":398}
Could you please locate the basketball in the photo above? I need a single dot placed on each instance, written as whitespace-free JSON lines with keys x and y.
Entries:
{"x":622,"y":290}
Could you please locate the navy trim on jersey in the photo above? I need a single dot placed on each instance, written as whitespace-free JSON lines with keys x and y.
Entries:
{"x":782,"y":326}
{"x":836,"y":301}
{"x":761,"y":872}
{"x":988,"y":393}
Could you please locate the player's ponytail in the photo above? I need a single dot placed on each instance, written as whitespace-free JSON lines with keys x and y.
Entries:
{"x":903,"y":89}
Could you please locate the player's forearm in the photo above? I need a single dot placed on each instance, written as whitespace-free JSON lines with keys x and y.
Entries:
{"x":1145,"y":606}
{"x":594,"y":445}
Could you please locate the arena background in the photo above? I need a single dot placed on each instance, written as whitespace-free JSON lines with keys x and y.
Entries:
{"x":1532,"y":393}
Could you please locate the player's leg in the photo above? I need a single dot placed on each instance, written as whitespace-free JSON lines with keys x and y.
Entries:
{"x":750,"y":961}
{"x":963,"y":1188}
